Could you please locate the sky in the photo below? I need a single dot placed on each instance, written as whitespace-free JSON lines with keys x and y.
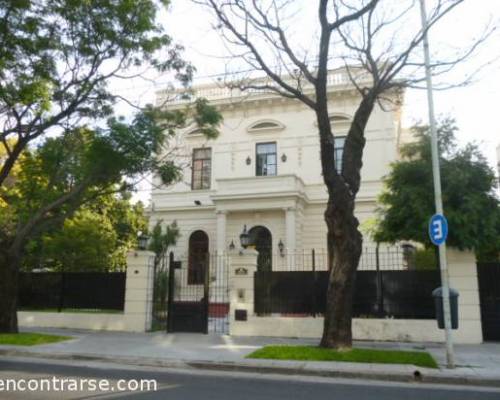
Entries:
{"x":476,"y":107}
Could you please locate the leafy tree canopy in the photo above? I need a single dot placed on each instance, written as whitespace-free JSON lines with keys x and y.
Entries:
{"x":96,"y":238}
{"x":57,"y":57}
{"x":468,"y":186}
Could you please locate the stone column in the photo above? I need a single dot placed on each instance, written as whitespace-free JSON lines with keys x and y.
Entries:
{"x":221,"y":231}
{"x":242,"y":267}
{"x":290,"y":238}
{"x":139,"y":291}
{"x":462,"y":271}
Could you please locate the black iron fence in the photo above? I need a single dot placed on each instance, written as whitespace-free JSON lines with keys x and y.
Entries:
{"x":488,"y":274}
{"x":386,"y":286}
{"x":57,"y":291}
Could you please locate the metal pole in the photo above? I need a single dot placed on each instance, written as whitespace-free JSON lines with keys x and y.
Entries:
{"x":450,"y":359}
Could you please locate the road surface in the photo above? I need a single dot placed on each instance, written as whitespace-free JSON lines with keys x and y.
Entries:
{"x":207,"y":385}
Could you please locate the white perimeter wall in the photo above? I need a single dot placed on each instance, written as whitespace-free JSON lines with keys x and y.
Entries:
{"x":463,"y":277}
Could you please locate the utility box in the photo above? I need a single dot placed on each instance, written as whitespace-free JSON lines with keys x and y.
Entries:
{"x":438,"y":302}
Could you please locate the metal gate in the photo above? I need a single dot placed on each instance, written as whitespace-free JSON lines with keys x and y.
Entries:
{"x":489,"y":295}
{"x":198,"y":294}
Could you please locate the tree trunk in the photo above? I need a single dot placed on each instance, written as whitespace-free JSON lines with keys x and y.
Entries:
{"x":9,"y":267}
{"x":344,"y":239}
{"x":345,"y":245}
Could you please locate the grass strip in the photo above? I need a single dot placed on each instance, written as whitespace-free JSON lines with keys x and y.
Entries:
{"x":359,"y":355}
{"x":30,"y":339}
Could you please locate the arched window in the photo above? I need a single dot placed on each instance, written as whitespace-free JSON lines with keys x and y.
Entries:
{"x":261,"y":237}
{"x":265,"y":126}
{"x":198,"y":258}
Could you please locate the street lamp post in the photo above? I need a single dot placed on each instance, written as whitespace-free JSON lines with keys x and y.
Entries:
{"x":450,"y":361}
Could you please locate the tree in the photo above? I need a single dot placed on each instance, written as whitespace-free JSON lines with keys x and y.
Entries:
{"x":469,"y":199}
{"x":96,"y":238}
{"x":56,"y":60}
{"x":72,"y":170}
{"x":378,"y":50}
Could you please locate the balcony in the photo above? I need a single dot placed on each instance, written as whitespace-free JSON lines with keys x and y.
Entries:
{"x":222,"y":92}
{"x":259,"y":192}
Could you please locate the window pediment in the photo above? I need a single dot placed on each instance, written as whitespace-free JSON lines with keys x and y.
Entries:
{"x":267,"y":125}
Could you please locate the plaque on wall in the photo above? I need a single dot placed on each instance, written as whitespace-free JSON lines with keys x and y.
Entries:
{"x":241,"y":271}
{"x":177,"y":264}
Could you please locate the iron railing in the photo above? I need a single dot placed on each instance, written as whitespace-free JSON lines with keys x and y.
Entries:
{"x":57,"y":291}
{"x":387,"y":285}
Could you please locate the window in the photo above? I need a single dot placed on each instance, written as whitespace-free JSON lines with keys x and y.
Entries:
{"x":202,"y":165}
{"x":265,"y":159}
{"x":339,"y":152}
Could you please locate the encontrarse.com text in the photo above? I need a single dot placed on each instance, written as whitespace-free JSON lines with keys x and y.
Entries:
{"x":56,"y":384}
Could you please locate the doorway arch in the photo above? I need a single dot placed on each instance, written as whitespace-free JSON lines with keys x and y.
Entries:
{"x":262,"y":239}
{"x":198,"y":257}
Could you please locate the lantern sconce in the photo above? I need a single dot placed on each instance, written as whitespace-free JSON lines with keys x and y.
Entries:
{"x":142,"y":241}
{"x":283,"y":157}
{"x":245,"y":238}
{"x":281,"y":248}
{"x":232,"y":246}
{"x":248,"y":160}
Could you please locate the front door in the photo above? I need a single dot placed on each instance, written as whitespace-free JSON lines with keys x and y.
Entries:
{"x":261,"y":237}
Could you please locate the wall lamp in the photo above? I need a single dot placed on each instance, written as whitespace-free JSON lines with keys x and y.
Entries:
{"x":281,"y":248}
{"x":245,"y":238}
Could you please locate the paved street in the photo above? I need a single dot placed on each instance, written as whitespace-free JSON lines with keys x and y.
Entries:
{"x":218,"y":385}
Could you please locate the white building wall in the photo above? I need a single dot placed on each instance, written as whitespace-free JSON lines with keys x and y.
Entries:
{"x":298,"y":140}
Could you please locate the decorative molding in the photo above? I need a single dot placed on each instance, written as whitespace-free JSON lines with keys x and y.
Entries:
{"x":265,"y":125}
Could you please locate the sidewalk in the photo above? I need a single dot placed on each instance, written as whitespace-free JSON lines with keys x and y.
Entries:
{"x":476,"y":364}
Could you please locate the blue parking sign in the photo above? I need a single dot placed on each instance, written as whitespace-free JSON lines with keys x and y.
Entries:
{"x":438,"y":229}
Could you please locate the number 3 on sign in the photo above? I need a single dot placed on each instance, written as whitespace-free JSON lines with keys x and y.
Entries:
{"x":438,"y":229}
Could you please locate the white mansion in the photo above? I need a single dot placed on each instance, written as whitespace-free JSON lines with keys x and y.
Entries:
{"x":263,"y":171}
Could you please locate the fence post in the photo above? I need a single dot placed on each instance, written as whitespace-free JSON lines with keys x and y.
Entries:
{"x":380,"y":290}
{"x":314,"y":306}
{"x":206,"y":294}
{"x":139,"y":291}
{"x":463,"y":277}
{"x":242,"y":268}
{"x":171,"y":288}
{"x":61,"y":292}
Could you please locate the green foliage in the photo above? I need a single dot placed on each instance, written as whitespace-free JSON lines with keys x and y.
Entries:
{"x":96,"y":238}
{"x":425,"y":259}
{"x":468,"y":186}
{"x":54,"y":53}
{"x":56,"y":60}
{"x":161,"y":239}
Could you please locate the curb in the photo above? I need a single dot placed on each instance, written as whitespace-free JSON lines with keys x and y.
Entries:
{"x":405,"y":376}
